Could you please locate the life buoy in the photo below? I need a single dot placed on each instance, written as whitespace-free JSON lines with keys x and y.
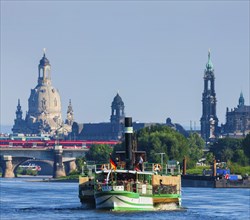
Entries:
{"x":226,"y":176}
{"x":157,"y":167}
{"x":103,"y":167}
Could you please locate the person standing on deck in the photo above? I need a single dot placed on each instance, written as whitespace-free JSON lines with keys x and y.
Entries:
{"x":140,"y":162}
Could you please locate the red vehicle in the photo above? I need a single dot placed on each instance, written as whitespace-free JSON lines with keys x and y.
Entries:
{"x":67,"y":144}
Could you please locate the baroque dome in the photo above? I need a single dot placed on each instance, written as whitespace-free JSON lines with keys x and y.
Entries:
{"x":44,"y":98}
{"x":44,"y":101}
{"x":117,"y":100}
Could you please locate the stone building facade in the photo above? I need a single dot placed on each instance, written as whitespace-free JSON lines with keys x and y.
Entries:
{"x":237,"y":120}
{"x":44,"y":107}
{"x":112,"y":130}
{"x":105,"y":130}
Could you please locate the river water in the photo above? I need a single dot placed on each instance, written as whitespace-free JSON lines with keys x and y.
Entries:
{"x":22,"y":198}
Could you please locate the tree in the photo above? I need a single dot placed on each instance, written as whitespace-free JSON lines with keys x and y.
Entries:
{"x":162,"y":139}
{"x":209,"y":157}
{"x":80,"y":163}
{"x":226,"y":154}
{"x":99,"y":153}
{"x":224,"y":148}
{"x":196,"y":145}
{"x":246,"y":145}
{"x":241,"y":158}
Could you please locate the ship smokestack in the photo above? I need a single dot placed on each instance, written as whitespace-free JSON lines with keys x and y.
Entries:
{"x":128,"y":130}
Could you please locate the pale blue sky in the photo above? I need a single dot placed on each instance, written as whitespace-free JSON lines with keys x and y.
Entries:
{"x":153,"y":52}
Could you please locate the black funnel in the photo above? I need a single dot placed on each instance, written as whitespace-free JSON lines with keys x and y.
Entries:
{"x":128,"y":130}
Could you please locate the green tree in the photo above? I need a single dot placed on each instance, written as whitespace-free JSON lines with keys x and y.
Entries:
{"x":162,"y":139}
{"x":196,"y":145}
{"x":209,"y":157}
{"x":80,"y":163}
{"x":224,"y":148}
{"x":226,"y":154}
{"x":246,"y":145}
{"x":241,"y":158}
{"x":99,"y":153}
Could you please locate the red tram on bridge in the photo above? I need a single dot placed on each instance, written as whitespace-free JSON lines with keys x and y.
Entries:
{"x":49,"y":144}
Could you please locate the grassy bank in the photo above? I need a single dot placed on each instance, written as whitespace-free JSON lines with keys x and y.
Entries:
{"x":234,"y":169}
{"x":197,"y":170}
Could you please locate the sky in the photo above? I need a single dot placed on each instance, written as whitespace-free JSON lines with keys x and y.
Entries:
{"x":153,"y":53}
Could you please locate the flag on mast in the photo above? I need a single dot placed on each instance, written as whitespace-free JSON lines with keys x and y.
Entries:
{"x":112,"y":162}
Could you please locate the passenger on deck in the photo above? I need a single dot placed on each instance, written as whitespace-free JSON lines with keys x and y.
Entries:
{"x":140,"y":163}
{"x":136,"y":168}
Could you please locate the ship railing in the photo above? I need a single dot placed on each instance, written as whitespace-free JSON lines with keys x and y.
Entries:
{"x":88,"y":169}
{"x":129,"y":186}
{"x":166,"y":169}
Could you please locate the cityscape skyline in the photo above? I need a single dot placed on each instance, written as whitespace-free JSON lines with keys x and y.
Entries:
{"x":154,"y":54}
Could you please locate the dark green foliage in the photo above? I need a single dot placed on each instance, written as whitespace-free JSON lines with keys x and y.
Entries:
{"x":196,"y":145}
{"x":223,"y":149}
{"x":157,"y":139}
{"x":246,"y":146}
{"x":209,"y":158}
{"x":80,"y":163}
{"x":162,"y":139}
{"x":99,"y":153}
{"x":232,"y":149}
{"x":23,"y":171}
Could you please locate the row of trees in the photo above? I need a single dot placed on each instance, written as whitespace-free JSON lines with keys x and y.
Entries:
{"x":231,"y":149}
{"x":162,"y":139}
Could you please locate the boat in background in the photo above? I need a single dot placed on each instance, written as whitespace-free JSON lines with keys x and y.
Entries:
{"x":121,"y":186}
{"x":219,"y":176}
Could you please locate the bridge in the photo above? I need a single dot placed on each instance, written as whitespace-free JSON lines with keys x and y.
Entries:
{"x":60,"y":158}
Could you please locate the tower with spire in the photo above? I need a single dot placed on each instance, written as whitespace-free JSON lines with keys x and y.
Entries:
{"x":209,"y":120}
{"x":237,"y":120}
{"x":241,"y":100}
{"x":19,"y":122}
{"x":70,"y":115}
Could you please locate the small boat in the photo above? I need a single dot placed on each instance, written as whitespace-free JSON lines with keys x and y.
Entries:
{"x":120,"y":186}
{"x":31,"y":167}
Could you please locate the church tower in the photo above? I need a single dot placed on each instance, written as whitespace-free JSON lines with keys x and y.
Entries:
{"x":70,"y":115}
{"x":19,"y":112}
{"x":117,"y":110}
{"x":209,"y":120}
{"x":117,"y":115}
{"x":19,"y":123}
{"x":241,"y":100}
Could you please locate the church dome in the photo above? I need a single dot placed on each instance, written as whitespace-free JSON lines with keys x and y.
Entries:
{"x":117,"y":100}
{"x":44,"y":61}
{"x":44,"y":101}
{"x":44,"y":98}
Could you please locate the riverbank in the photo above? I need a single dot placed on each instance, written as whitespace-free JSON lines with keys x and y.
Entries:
{"x":47,"y":179}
